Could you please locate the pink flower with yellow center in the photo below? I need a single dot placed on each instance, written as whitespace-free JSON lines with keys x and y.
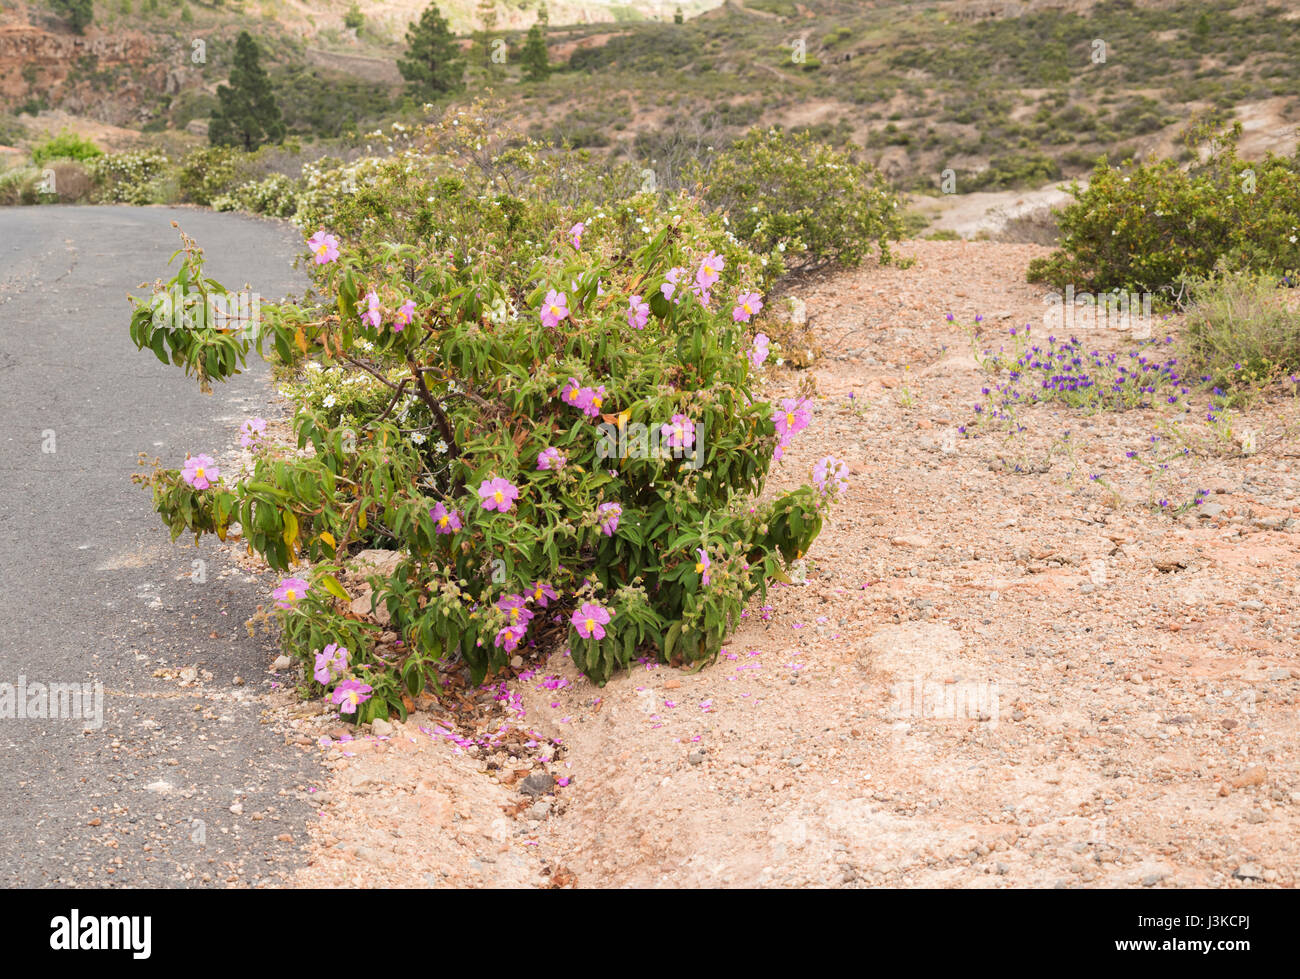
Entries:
{"x":324,"y":248}
{"x":555,"y":307}
{"x":575,"y":234}
{"x":351,"y":694}
{"x":680,"y":432}
{"x":516,"y":609}
{"x":759,"y":352}
{"x":510,"y":637}
{"x":748,"y":305}
{"x":702,"y":565}
{"x":710,"y":271}
{"x":404,"y":316}
{"x":593,"y":400}
{"x":590,"y":620}
{"x":200,"y":471}
{"x":543,"y":594}
{"x":445,"y":521}
{"x":290,"y":591}
{"x":498,"y":494}
{"x":792,"y":417}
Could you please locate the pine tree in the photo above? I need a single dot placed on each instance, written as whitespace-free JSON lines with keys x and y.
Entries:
{"x":247,"y":115}
{"x":431,"y":67}
{"x":537,"y":65}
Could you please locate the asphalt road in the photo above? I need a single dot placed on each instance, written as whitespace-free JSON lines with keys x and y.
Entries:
{"x":91,"y":588}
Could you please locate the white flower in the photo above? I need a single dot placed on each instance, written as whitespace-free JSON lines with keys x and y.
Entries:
{"x":329,"y":401}
{"x":418,"y":438}
{"x":440,"y":447}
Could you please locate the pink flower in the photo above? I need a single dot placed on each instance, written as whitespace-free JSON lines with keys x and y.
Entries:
{"x":670,"y":282}
{"x":702,"y":294}
{"x":575,"y":234}
{"x":702,"y":565}
{"x":324,"y":247}
{"x":638,"y":313}
{"x":831,"y":475}
{"x":792,"y":418}
{"x":748,"y":305}
{"x":510,"y":637}
{"x":710,"y":270}
{"x":200,"y":471}
{"x":330,"y":661}
{"x":759,"y":352}
{"x":350,"y":694}
{"x":516,"y":608}
{"x":680,"y":433}
{"x":445,"y":521}
{"x":554,"y":309}
{"x":498,"y":494}
{"x":551,"y":458}
{"x":779,"y":451}
{"x":371,"y":315}
{"x":543,"y":594}
{"x":405,"y":316}
{"x":572,"y":393}
{"x":590,"y":620}
{"x":592,"y":400}
{"x":611,"y":512}
{"x":251,"y":431}
{"x":290,"y":590}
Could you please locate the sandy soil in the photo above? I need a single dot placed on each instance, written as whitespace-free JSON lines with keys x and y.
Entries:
{"x":991,"y":677}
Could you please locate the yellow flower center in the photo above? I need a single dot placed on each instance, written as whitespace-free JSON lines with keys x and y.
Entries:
{"x":591,"y":625}
{"x":352,"y":697}
{"x":497,"y":496}
{"x":596,"y":402}
{"x":442,"y":521}
{"x":789,"y":417}
{"x":198,"y":473}
{"x":699,"y":567}
{"x":290,"y":595}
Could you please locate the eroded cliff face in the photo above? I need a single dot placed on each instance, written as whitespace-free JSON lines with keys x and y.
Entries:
{"x":114,"y":76}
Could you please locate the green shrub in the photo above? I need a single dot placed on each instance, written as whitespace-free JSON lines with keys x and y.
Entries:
{"x":21,"y":185}
{"x":785,"y":191}
{"x":473,"y":390}
{"x":1242,"y":329}
{"x":1144,"y":227}
{"x":65,"y":146}
{"x":206,"y":173}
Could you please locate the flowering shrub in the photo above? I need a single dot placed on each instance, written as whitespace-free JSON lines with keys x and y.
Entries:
{"x":275,"y":196}
{"x":132,"y":177}
{"x":806,"y":198}
{"x":1147,"y":227}
{"x":478,"y":448}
